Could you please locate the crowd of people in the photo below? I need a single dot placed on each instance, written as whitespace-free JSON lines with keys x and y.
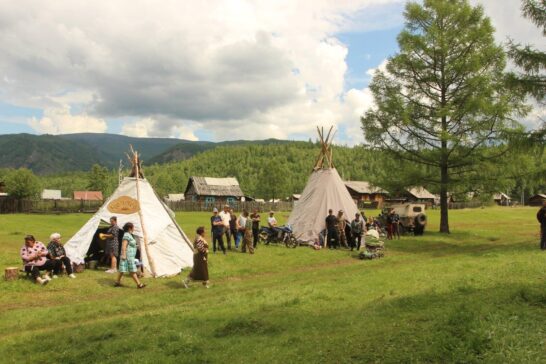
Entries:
{"x":243,"y":231}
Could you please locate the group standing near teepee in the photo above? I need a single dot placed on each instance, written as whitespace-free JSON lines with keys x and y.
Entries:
{"x":139,"y":235}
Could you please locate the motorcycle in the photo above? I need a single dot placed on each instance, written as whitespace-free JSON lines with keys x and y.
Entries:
{"x":280,"y":235}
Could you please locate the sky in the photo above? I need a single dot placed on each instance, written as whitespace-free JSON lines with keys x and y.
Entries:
{"x":209,"y":70}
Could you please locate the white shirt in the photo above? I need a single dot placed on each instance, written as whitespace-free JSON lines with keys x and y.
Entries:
{"x":242,"y":221}
{"x":226,"y":216}
{"x":272,"y":221}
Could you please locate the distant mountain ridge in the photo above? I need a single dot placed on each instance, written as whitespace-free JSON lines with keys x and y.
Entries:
{"x":51,"y":154}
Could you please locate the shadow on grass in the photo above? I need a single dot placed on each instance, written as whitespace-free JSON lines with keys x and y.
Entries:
{"x":441,"y":245}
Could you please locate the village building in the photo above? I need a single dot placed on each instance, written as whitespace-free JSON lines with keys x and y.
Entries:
{"x":419,"y":194}
{"x":537,"y":200}
{"x":51,"y":195}
{"x":88,"y":195}
{"x":175,"y":197}
{"x":213,"y":191}
{"x":363,"y":192}
{"x":502,"y":199}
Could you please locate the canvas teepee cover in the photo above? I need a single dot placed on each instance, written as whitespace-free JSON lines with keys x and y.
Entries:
{"x":324,"y":190}
{"x":165,"y":249}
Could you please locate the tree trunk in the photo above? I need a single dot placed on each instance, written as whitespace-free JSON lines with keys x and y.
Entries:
{"x":444,"y":222}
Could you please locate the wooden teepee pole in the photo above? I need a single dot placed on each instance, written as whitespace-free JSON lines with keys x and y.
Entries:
{"x":140,"y":215}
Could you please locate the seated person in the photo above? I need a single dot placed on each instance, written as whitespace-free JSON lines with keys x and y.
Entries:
{"x":272,"y":223}
{"x":58,"y":254}
{"x":33,"y":254}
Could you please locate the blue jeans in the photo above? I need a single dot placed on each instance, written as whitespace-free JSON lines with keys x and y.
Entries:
{"x":238,"y":239}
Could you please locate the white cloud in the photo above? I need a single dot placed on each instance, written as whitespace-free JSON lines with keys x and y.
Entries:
{"x":61,"y":121}
{"x":232,"y":69}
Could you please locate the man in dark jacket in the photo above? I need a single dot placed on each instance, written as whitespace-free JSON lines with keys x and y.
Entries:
{"x":541,"y":217}
{"x":332,"y":228}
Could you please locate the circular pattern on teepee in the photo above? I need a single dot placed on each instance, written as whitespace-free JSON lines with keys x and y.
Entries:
{"x":124,"y":205}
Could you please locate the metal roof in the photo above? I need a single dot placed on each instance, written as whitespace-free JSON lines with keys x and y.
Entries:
{"x":88,"y":195}
{"x":364,"y":187}
{"x":420,"y":192}
{"x":209,"y":186}
{"x":51,"y":194}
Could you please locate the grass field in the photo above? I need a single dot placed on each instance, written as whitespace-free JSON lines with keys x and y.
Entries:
{"x":477,"y":295}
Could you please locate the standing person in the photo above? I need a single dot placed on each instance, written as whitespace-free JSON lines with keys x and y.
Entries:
{"x":33,"y":254}
{"x":233,"y":227}
{"x":332,"y":235}
{"x":128,"y":255}
{"x":57,"y":252}
{"x":217,"y":230}
{"x":112,"y":244}
{"x":200,"y":270}
{"x":255,"y":216}
{"x":241,"y":228}
{"x":395,"y":224}
{"x":341,"y":224}
{"x":388,"y":221}
{"x":247,"y":235}
{"x":226,"y":218}
{"x":541,"y":217}
{"x":357,"y":228}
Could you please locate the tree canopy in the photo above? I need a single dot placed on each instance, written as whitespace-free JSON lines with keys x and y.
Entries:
{"x":443,"y":103}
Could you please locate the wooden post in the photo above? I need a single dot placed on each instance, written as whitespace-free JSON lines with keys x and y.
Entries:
{"x":140,"y":215}
{"x":11,"y":273}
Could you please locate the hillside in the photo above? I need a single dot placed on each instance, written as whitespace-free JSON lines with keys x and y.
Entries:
{"x":46,"y":154}
{"x":54,"y":154}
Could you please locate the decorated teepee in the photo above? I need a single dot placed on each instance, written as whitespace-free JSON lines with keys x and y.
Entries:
{"x":164,"y":247}
{"x":324,"y":190}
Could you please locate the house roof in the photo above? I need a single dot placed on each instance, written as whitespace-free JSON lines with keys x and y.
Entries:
{"x":364,"y":187}
{"x":420,"y":192}
{"x":500,"y":195}
{"x":208,"y":186}
{"x":51,"y":194}
{"x":175,"y":197}
{"x":540,"y":195}
{"x":88,"y":195}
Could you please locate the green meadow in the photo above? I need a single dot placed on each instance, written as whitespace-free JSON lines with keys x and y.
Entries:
{"x":476,"y":295}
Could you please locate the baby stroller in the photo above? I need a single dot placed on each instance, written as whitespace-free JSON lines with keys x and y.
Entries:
{"x":375,"y":248}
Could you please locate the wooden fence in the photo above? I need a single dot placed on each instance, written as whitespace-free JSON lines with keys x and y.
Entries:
{"x":12,"y":205}
{"x":237,"y":206}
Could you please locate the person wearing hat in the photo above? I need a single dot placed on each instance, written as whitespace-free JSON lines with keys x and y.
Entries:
{"x":217,"y":231}
{"x":341,"y":225}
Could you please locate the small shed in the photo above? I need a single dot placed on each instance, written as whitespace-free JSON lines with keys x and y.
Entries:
{"x":502,"y":199}
{"x":175,"y":197}
{"x":537,"y":200}
{"x":363,"y":191}
{"x":213,"y":191}
{"x":419,"y":194}
{"x":51,"y":194}
{"x":88,"y":195}
{"x":295,"y":197}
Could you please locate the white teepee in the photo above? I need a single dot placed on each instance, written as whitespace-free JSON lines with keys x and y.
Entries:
{"x":165,"y":249}
{"x":324,"y":190}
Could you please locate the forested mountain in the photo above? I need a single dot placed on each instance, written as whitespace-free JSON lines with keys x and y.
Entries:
{"x":53,"y":154}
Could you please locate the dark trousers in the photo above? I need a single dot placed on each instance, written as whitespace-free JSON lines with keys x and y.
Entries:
{"x":218,"y":238}
{"x":333,"y":238}
{"x":543,"y":236}
{"x":356,"y":241}
{"x":49,"y":265}
{"x":67,"y":265}
{"x":255,"y":236}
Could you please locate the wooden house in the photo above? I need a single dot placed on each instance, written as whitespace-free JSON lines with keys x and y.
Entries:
{"x":419,"y":194}
{"x":502,"y":199}
{"x":364,"y":192}
{"x":537,"y":200}
{"x":88,"y":195}
{"x":213,"y":191}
